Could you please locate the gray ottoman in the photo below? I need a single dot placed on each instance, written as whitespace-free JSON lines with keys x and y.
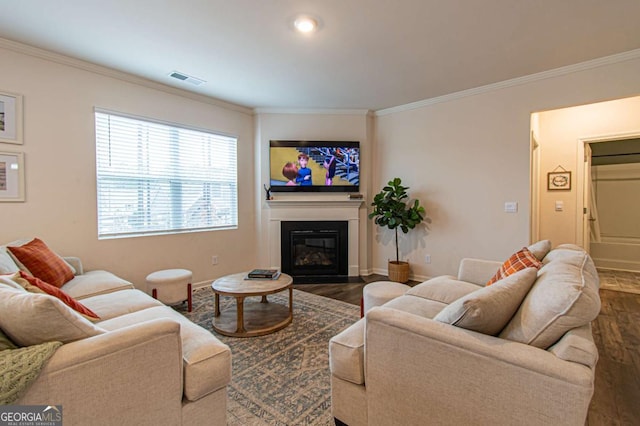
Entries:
{"x":380,"y":292}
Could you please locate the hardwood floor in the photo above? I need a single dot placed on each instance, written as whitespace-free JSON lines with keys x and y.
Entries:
{"x":616,"y":331}
{"x":350,"y":293}
{"x":616,"y":400}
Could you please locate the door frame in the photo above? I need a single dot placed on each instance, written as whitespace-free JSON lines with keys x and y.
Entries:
{"x":582,"y":190}
{"x":534,"y":199}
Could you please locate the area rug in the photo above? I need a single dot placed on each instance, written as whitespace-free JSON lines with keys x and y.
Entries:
{"x":282,"y":378}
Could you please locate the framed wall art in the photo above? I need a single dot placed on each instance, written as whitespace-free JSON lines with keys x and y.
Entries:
{"x":559,"y":181}
{"x":10,"y":118}
{"x":11,"y":176}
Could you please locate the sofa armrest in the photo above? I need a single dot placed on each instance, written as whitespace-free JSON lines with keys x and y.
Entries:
{"x":420,"y":371}
{"x":75,"y":262}
{"x":131,"y":375}
{"x":477,"y":271}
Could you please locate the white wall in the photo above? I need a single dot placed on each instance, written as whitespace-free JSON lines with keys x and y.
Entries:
{"x":330,"y":126}
{"x":59,"y":152}
{"x":561,"y":132}
{"x":617,"y":189}
{"x":464,"y":157}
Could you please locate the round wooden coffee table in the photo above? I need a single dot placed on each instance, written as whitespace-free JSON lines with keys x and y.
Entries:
{"x":251,"y":318}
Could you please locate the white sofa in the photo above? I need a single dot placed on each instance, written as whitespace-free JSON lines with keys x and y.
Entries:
{"x":142,"y":363}
{"x":400,"y":366}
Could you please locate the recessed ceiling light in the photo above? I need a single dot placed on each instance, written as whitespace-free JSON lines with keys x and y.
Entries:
{"x":305,"y":24}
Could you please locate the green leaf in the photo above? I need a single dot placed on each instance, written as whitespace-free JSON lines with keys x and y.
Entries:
{"x":392,"y":210}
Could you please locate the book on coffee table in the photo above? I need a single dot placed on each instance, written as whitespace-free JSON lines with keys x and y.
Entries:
{"x":263,"y":274}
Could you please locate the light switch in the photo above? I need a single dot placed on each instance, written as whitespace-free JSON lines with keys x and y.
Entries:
{"x":511,"y":207}
{"x":559,"y":206}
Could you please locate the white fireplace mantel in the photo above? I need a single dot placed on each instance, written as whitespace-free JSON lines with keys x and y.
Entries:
{"x":315,"y":203}
{"x":311,"y":209}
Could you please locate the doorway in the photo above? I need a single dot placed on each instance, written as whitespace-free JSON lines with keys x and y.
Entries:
{"x":558,"y":214}
{"x":611,"y":200}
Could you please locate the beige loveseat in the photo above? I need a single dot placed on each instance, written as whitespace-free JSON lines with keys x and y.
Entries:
{"x":400,"y":366}
{"x":142,"y":363}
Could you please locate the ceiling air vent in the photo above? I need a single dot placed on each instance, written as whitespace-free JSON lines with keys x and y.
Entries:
{"x":187,"y":78}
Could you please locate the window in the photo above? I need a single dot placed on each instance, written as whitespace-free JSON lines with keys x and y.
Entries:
{"x":158,"y":178}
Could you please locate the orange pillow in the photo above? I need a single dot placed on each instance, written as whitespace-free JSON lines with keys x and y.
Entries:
{"x":42,"y":262}
{"x":520,"y":260}
{"x":56,"y":292}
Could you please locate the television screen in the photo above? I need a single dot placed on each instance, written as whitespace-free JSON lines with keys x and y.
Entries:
{"x":314,"y":166}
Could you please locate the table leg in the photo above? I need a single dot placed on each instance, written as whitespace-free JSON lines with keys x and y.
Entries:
{"x":240,"y":320}
{"x":291,"y":302}
{"x":264,"y":299}
{"x":217,"y":305}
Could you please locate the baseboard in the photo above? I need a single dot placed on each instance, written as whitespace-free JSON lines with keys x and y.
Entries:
{"x":202,"y":284}
{"x":621,"y":265}
{"x":327,"y":280}
{"x":412,"y":277}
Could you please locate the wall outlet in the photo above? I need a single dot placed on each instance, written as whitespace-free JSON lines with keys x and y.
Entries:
{"x":427,"y":258}
{"x":214,"y":260}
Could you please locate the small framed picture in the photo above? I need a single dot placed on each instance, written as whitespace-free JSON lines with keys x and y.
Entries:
{"x":10,"y":118}
{"x":11,"y":176}
{"x":559,"y":181}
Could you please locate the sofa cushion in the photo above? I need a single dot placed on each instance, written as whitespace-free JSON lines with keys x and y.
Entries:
{"x":518,"y":261}
{"x":93,"y":283}
{"x":490,"y":308}
{"x":207,"y":361}
{"x":346,"y":353}
{"x":6,"y":281}
{"x":540,"y":249}
{"x":577,"y":345}
{"x":564,"y":296}
{"x":119,"y":303}
{"x":7,"y":265}
{"x":30,"y":283}
{"x":31,"y":319}
{"x":444,"y":289}
{"x":425,"y":308}
{"x":43,"y":263}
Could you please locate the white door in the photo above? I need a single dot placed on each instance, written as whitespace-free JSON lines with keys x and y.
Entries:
{"x":586,"y":199}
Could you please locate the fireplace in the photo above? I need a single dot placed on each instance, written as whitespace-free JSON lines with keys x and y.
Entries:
{"x":315,"y":251}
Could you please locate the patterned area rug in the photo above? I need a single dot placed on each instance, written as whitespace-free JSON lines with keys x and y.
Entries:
{"x":282,"y":378}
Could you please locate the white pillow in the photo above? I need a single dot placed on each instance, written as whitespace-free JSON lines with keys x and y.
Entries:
{"x":540,"y":249}
{"x":7,"y":265}
{"x":32,"y":318}
{"x":489,"y":309}
{"x":564,"y":297}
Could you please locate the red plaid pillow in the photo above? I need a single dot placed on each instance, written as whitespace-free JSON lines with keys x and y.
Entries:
{"x":42,"y":262}
{"x":56,"y":292}
{"x":518,"y":261}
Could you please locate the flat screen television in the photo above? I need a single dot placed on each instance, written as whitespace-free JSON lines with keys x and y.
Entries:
{"x":314,"y":166}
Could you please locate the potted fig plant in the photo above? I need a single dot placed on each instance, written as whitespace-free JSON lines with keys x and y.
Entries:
{"x":392,"y":209}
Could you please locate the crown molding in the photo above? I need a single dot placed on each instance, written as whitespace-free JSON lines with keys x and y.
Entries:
{"x":120,"y":75}
{"x":318,"y":111}
{"x":556,"y":72}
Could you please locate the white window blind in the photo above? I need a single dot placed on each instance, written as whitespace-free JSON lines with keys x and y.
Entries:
{"x":157,"y":178}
